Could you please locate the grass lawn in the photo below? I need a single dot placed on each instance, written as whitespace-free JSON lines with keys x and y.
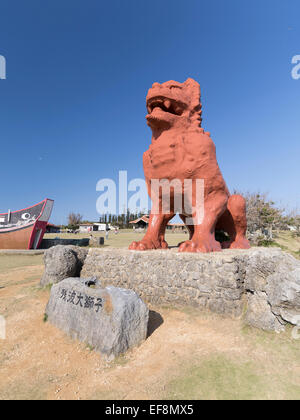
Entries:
{"x":286,"y":240}
{"x":10,"y":262}
{"x":123,"y":239}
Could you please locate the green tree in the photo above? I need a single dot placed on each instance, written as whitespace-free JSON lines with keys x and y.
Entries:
{"x":74,"y":220}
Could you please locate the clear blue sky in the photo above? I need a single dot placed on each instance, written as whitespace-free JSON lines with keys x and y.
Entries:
{"x":72,"y":109}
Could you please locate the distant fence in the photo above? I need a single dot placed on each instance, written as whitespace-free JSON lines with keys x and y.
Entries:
{"x":49,"y":243}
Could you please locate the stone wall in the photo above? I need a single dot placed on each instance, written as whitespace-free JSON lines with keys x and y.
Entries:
{"x":49,"y":243}
{"x":263,"y":283}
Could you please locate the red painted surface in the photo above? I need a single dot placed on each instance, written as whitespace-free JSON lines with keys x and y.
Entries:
{"x":180,"y":149}
{"x":27,"y":236}
{"x":19,"y":239}
{"x":38,"y":226}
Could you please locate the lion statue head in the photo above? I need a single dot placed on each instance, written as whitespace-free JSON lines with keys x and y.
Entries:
{"x":174,"y":104}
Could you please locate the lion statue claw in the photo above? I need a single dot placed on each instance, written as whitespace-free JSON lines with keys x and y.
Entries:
{"x":181,"y":150}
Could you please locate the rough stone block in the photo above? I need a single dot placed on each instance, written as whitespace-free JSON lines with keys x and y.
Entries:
{"x":62,"y":262}
{"x":112,"y":320}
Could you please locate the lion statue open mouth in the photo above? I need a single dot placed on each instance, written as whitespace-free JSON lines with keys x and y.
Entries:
{"x":181,"y":150}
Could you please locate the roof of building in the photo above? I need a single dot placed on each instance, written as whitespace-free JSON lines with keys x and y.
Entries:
{"x":52,"y":225}
{"x":144,"y":218}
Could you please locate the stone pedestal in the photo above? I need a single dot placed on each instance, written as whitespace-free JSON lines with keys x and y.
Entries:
{"x":262,"y":283}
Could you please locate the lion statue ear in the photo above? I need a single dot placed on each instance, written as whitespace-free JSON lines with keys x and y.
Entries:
{"x":195,"y":95}
{"x":195,"y":90}
{"x":191,"y":83}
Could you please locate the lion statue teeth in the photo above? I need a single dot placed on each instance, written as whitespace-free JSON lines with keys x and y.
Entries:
{"x":182,"y":150}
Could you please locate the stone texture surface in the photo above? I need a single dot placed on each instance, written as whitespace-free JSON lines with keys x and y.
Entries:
{"x":262,"y":282}
{"x":111,"y":320}
{"x":259,"y":313}
{"x":62,"y":262}
{"x":283,"y":291}
{"x":96,"y":241}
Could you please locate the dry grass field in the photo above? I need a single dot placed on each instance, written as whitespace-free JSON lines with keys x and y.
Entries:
{"x":121,"y":240}
{"x":286,"y":240}
{"x":190,"y":355}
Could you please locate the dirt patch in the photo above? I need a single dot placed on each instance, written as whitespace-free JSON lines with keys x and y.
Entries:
{"x":188,"y":354}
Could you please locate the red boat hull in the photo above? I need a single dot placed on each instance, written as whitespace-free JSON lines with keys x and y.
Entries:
{"x":24,"y":229}
{"x":19,"y":240}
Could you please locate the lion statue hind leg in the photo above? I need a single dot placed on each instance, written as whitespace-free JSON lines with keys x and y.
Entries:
{"x":234,"y":222}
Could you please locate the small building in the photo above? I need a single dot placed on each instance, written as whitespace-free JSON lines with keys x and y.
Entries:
{"x":94,"y":227}
{"x":100,"y":227}
{"x":140,"y":223}
{"x":143,"y":222}
{"x":86,"y":227}
{"x":176,"y":227}
{"x":51,"y":228}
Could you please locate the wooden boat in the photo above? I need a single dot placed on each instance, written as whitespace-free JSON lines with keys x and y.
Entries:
{"x":24,"y":229}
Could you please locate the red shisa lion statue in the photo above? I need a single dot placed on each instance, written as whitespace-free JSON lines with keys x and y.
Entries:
{"x":181,"y":150}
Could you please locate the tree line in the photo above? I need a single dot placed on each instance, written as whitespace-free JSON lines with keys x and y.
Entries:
{"x":121,"y":221}
{"x":262,"y":214}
